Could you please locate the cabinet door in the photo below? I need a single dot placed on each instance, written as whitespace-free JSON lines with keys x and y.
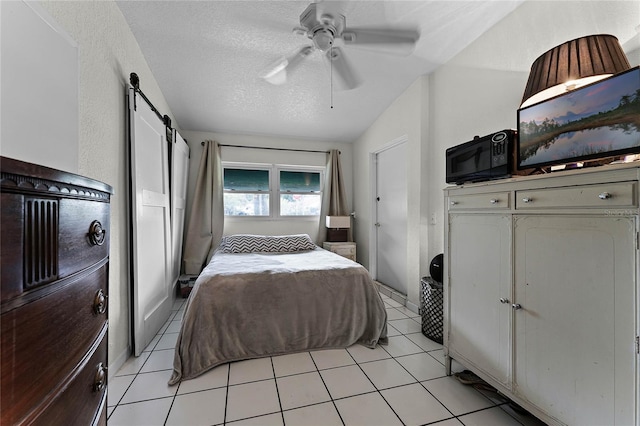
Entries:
{"x":479,"y":277}
{"x":574,"y":339}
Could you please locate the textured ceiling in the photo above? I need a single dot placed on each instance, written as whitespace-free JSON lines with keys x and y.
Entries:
{"x":207,"y":57}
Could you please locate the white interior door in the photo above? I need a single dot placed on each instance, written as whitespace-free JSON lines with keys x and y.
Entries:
{"x":150,"y":216}
{"x":179,"y":177}
{"x":391,"y":217}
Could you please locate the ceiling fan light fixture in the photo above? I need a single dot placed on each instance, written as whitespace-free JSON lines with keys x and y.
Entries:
{"x":323,"y":39}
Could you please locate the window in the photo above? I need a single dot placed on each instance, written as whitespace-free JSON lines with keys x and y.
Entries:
{"x":299,"y":193}
{"x":246,"y":192}
{"x":272,"y":191}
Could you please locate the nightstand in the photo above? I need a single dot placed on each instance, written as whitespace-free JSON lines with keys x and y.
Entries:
{"x":346,"y":249}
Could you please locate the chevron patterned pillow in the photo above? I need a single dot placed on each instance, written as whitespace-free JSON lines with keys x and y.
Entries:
{"x":246,"y":243}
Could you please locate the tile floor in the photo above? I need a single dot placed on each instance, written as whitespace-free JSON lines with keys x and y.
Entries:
{"x":401,"y":383}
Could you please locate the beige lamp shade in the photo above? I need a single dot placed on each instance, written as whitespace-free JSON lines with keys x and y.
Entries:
{"x":338,"y":222}
{"x":573,"y":64}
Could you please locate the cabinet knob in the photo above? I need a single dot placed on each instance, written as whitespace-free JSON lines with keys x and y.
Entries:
{"x":504,"y":300}
{"x":100,"y":379}
{"x":100,"y":302}
{"x":453,"y":203}
{"x":96,"y":233}
{"x":527,"y":200}
{"x":604,"y":196}
{"x":516,"y":306}
{"x":494,"y":201}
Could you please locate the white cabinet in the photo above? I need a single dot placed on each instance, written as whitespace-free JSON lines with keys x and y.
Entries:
{"x":541,"y":291}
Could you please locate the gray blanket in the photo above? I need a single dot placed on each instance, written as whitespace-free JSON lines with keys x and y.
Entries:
{"x":247,"y":306}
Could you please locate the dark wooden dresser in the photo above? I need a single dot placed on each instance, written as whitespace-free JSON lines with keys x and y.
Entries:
{"x":54,"y":250}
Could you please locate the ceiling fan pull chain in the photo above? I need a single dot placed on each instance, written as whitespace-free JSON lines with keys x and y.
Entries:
{"x":331,"y":74}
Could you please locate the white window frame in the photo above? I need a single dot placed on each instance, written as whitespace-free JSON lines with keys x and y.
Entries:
{"x":274,"y":188}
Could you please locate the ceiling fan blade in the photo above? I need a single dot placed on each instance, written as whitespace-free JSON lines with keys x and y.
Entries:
{"x":342,"y":68}
{"x":277,"y":73}
{"x":401,"y":40}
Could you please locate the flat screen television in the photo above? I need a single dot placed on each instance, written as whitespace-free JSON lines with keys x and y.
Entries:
{"x":595,"y":121}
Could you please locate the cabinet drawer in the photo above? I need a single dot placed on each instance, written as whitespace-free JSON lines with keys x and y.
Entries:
{"x":80,"y":403}
{"x":78,"y":223}
{"x":345,"y":250}
{"x":45,"y":339}
{"x":491,"y":201}
{"x":609,"y":195}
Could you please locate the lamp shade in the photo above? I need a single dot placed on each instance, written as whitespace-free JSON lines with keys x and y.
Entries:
{"x":591,"y":57}
{"x":338,"y":222}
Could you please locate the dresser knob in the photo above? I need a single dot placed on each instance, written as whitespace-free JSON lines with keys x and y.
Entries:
{"x":604,"y":196}
{"x":100,"y":379}
{"x":494,"y":201}
{"x":527,"y":200}
{"x":504,"y":300}
{"x":516,"y":306}
{"x":453,"y":203}
{"x":96,"y":233}
{"x":100,"y":302}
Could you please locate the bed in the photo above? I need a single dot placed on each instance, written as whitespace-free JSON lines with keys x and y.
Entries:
{"x":262,"y":295}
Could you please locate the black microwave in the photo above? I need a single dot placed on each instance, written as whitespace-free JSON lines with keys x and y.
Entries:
{"x":483,"y":158}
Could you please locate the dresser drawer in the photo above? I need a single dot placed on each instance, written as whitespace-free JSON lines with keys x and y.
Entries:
{"x":489,"y":201}
{"x":43,"y":340}
{"x":605,"y":196}
{"x":82,"y":400}
{"x":78,"y":242}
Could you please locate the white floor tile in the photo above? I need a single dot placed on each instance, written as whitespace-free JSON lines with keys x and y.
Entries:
{"x":331,"y":358}
{"x":252,"y":399}
{"x":392,"y":303}
{"x":400,"y":345}
{"x":159,"y":360}
{"x":314,"y":415}
{"x":286,"y":365}
{"x":199,"y":408}
{"x":149,"y":386}
{"x":424,"y":342}
{"x":152,"y":344}
{"x":395,"y":314}
{"x":422,"y":366}
{"x":391,"y":331}
{"x":387,"y":373}
{"x":167,"y":341}
{"x":250,"y":371}
{"x":268,"y":420}
{"x":369,"y":409}
{"x":363,"y":354}
{"x":301,"y":389}
{"x":458,"y":398}
{"x":449,"y":422}
{"x":408,"y":312}
{"x":406,"y":326}
{"x":174,"y":327}
{"x":526,"y":419}
{"x":117,"y":387}
{"x":215,"y":378}
{"x":438,"y":355}
{"x":346,"y":381}
{"x":132,"y":365}
{"x":414,"y":405}
{"x":144,"y":413}
{"x":493,"y":416}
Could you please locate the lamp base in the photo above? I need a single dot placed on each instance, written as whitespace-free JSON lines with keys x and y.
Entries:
{"x":337,"y":235}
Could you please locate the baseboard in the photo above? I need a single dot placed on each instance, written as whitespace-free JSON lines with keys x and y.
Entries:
{"x":117,"y":362}
{"x":389,"y":292}
{"x":412,"y":307}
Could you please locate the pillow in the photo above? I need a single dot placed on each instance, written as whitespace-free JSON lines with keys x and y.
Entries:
{"x":244,"y":243}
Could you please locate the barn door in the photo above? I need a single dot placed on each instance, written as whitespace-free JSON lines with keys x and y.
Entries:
{"x":179,"y":175}
{"x":150,"y":223}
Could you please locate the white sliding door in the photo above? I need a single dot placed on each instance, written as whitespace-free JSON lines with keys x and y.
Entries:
{"x":150,"y":229}
{"x":179,"y":176}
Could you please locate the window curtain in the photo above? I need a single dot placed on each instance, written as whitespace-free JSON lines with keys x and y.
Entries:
{"x":334,"y":197}
{"x":206,"y":221}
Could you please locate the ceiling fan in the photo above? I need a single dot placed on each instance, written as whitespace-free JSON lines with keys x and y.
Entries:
{"x":323,"y":28}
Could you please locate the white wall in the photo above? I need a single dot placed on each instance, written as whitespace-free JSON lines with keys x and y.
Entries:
{"x":108,"y":53}
{"x":273,"y":226}
{"x":407,"y":116}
